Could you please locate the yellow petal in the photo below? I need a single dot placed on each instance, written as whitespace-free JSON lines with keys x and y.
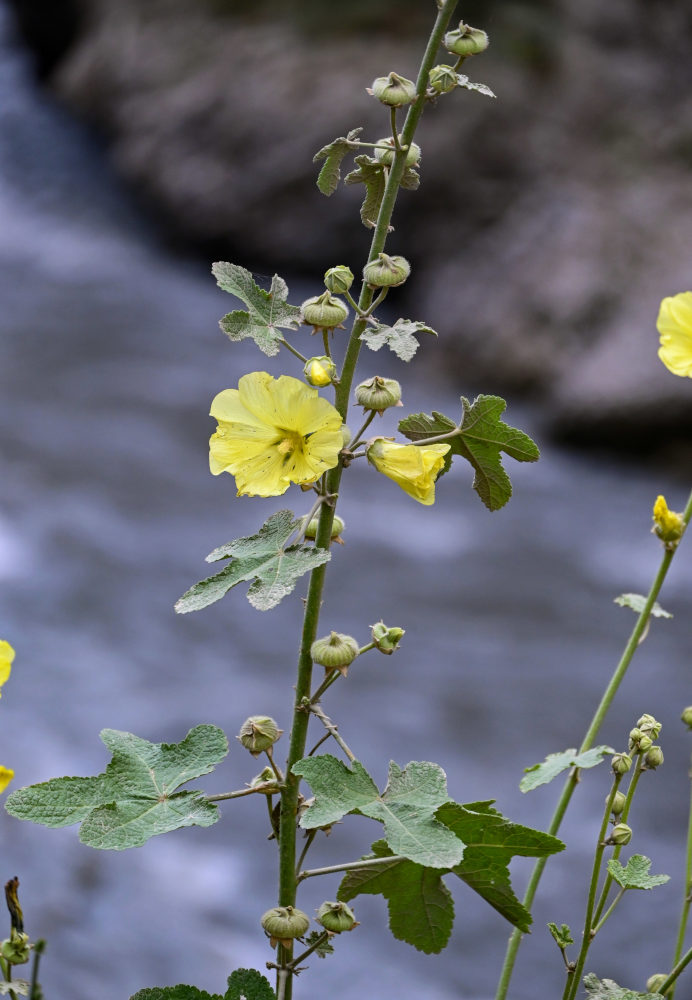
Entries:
{"x":414,"y":468}
{"x":6,"y":776}
{"x":674,"y":324}
{"x":6,"y":659}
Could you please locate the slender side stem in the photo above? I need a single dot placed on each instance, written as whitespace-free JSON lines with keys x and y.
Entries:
{"x":308,"y":951}
{"x":349,"y":866}
{"x":331,"y":677}
{"x":395,"y":133}
{"x":291,"y":348}
{"x":682,"y":964}
{"x":687,"y":900}
{"x":356,"y":438}
{"x":380,"y":298}
{"x":262,"y":789}
{"x":438,"y":437}
{"x":588,"y":741}
{"x":332,"y":730}
{"x":309,"y":837}
{"x":38,"y":951}
{"x":325,"y":341}
{"x":321,"y":740}
{"x":301,"y":717}
{"x":608,"y":912}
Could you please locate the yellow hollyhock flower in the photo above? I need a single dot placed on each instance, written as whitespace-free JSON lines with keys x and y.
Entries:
{"x":412,"y":467}
{"x":6,"y":776}
{"x":273,"y":432}
{"x":6,"y":658}
{"x":674,"y":324}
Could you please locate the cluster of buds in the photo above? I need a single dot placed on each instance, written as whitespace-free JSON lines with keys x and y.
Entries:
{"x":386,"y":638}
{"x":641,"y":741}
{"x":259,"y":733}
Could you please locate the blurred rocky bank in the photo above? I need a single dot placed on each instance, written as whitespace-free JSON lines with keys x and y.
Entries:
{"x":549,"y":222}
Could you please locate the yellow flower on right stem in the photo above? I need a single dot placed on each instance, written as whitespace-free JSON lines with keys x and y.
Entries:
{"x":412,"y":467}
{"x":674,"y":324}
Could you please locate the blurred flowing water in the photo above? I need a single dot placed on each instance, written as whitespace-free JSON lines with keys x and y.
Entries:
{"x":110,"y":356}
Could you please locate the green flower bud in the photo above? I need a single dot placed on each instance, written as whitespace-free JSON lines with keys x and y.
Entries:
{"x":465,"y":40}
{"x":621,"y":834}
{"x":621,"y":763}
{"x":654,"y":983}
{"x":618,"y":803}
{"x":687,"y":716}
{"x":338,"y":526}
{"x":338,"y":279}
{"x":645,"y":743}
{"x":386,"y":156}
{"x":258,"y":733}
{"x":346,"y":435}
{"x":265,"y":775}
{"x":336,"y":917}
{"x":635,"y":736}
{"x":653,"y":758}
{"x":16,"y":948}
{"x":386,"y":639}
{"x":319,"y":371}
{"x":335,"y":652}
{"x":324,"y":312}
{"x":284,"y":923}
{"x":386,"y":271}
{"x":442,"y":78}
{"x":393,"y":90}
{"x":647,"y":724}
{"x":378,"y":393}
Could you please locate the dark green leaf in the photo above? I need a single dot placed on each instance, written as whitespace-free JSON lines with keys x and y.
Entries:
{"x":333,"y":154}
{"x":323,"y":949}
{"x":371,"y":173}
{"x":421,"y":910}
{"x":482,"y":437}
{"x":606,"y":989}
{"x":481,"y":88}
{"x":635,"y":875}
{"x":491,"y":842}
{"x":562,"y":935}
{"x":135,"y":798}
{"x":398,"y":338}
{"x":637,"y":601}
{"x":263,"y":558}
{"x":406,"y":807}
{"x":268,"y":312}
{"x":556,"y":763}
{"x":248,"y":984}
{"x":179,"y":992}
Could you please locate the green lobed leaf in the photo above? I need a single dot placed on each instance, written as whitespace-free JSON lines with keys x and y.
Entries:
{"x":264,"y":558}
{"x":635,"y":875}
{"x":323,"y":949}
{"x":556,"y":763}
{"x":481,"y":439}
{"x":136,"y":797}
{"x":179,"y":992}
{"x":481,"y":88}
{"x":410,"y":180}
{"x":268,"y":312}
{"x":421,"y":909}
{"x":637,"y":601}
{"x":406,"y":807}
{"x":606,"y":989}
{"x":562,"y":935}
{"x":372,"y":173}
{"x":248,"y":984}
{"x":398,"y":338}
{"x":20,"y":988}
{"x":491,"y":842}
{"x":333,"y":154}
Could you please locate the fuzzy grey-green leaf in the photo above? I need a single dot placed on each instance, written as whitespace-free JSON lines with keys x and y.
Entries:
{"x":635,"y":874}
{"x":333,"y":154}
{"x":606,"y":989}
{"x":637,"y":602}
{"x":556,"y":763}
{"x":481,"y":88}
{"x":399,"y":338}
{"x":562,"y":935}
{"x":267,"y":312}
{"x":372,"y":173}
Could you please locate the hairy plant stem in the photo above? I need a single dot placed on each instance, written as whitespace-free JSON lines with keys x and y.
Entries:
{"x":687,"y":898}
{"x":349,"y":866}
{"x":588,"y":741}
{"x":682,"y":964}
{"x":301,"y":714}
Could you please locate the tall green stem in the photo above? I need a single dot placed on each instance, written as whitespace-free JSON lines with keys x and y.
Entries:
{"x":301,"y":716}
{"x":687,"y":899}
{"x":588,"y":741}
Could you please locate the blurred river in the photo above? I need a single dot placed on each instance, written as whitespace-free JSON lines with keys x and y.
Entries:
{"x":110,"y":356}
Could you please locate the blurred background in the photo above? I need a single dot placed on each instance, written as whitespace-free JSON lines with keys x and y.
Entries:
{"x":139,"y":141}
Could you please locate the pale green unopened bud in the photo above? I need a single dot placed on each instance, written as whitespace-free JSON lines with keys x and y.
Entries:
{"x":319,"y":371}
{"x":265,"y":776}
{"x":442,"y":78}
{"x":621,"y":763}
{"x":338,"y":279}
{"x":687,"y":716}
{"x":259,"y":733}
{"x":284,"y":923}
{"x":645,"y":743}
{"x":386,"y":271}
{"x":655,"y":982}
{"x":378,"y":393}
{"x":335,"y":651}
{"x":653,"y":758}
{"x":635,"y":736}
{"x":465,"y":40}
{"x":386,"y":156}
{"x":620,"y":835}
{"x":16,"y":948}
{"x":386,"y":638}
{"x":618,"y":804}
{"x":338,"y":526}
{"x":647,"y":724}
{"x":324,"y":312}
{"x":393,"y":90}
{"x":336,"y":917}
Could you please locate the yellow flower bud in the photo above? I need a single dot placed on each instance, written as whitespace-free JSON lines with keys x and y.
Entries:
{"x":668,"y":524}
{"x":414,"y":468}
{"x":319,"y":371}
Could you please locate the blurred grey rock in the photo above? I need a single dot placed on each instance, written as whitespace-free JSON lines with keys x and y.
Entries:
{"x":549,"y":223}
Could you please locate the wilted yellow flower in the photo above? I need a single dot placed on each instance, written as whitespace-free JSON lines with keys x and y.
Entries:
{"x":668,"y":524}
{"x":675,"y":326}
{"x":273,"y":432}
{"x":412,"y":467}
{"x":6,"y":658}
{"x":6,"y":776}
